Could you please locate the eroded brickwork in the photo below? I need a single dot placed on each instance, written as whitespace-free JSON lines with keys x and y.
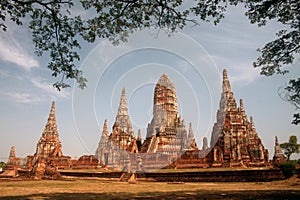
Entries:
{"x":118,"y":150}
{"x":234,"y":140}
{"x":48,"y":157}
{"x":13,"y":161}
{"x":166,"y":133}
{"x":278,"y":157}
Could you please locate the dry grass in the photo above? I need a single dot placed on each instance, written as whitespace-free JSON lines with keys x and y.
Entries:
{"x":209,"y":169}
{"x":97,"y":189}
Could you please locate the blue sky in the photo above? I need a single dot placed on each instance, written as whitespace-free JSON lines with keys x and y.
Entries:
{"x":193,"y":58}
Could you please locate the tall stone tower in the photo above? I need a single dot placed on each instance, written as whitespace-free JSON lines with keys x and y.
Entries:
{"x":12,"y":154}
{"x":166,"y":133}
{"x":49,"y":144}
{"x":115,"y":150}
{"x":49,"y":150}
{"x":122,"y":119}
{"x":165,"y":108}
{"x":102,"y":150}
{"x":191,"y":139}
{"x":13,"y":161}
{"x":278,"y":157}
{"x":234,"y":140}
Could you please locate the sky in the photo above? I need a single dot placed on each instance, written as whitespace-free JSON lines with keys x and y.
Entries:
{"x":193,"y":58}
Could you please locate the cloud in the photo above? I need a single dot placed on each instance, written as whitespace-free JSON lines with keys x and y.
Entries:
{"x":49,"y":89}
{"x":35,"y":90}
{"x":12,"y":51}
{"x":24,"y":97}
{"x":240,"y":72}
{"x":244,"y":74}
{"x":3,"y":73}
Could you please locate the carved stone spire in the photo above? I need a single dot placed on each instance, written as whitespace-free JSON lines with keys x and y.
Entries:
{"x":242,"y":108}
{"x":227,"y":99}
{"x":205,"y":144}
{"x":123,"y":108}
{"x":166,"y":133}
{"x":191,"y":138}
{"x":102,"y":146}
{"x":139,"y":135}
{"x":191,"y":133}
{"x":122,"y":119}
{"x":13,"y":162}
{"x":278,"y":157}
{"x":226,"y":84}
{"x":105,"y":132}
{"x":252,"y":124}
{"x":165,"y":108}
{"x":48,"y":147}
{"x":277,"y":149}
{"x":227,"y":103}
{"x":12,"y":152}
{"x":12,"y":156}
{"x":165,"y":101}
{"x":49,"y":144}
{"x":231,"y":119}
{"x":50,"y":132}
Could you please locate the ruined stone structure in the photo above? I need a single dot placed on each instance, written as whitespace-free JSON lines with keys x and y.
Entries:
{"x":48,"y":157}
{"x":118,"y":150}
{"x":278,"y":157}
{"x":167,"y":137}
{"x":13,"y":161}
{"x":85,"y":162}
{"x":166,"y":134}
{"x":234,"y":140}
{"x":103,"y":148}
{"x":192,"y":145}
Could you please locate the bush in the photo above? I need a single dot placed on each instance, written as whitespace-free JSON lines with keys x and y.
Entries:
{"x":2,"y":165}
{"x":288,"y":169}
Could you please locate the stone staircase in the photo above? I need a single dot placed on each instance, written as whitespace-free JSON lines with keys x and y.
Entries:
{"x":152,"y":145}
{"x":126,"y":177}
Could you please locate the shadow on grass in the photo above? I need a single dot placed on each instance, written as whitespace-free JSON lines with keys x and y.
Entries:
{"x":203,"y":194}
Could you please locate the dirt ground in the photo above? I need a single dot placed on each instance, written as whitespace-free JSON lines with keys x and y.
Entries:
{"x":97,"y":189}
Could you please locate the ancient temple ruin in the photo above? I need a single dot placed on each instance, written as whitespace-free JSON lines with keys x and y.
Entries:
{"x":103,"y":148}
{"x":166,"y":133}
{"x":234,"y":140}
{"x":48,"y":156}
{"x":167,"y":137}
{"x":13,"y":161}
{"x":278,"y":157}
{"x":118,"y":150}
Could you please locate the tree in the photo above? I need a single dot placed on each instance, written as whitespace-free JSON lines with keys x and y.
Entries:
{"x":56,"y":30}
{"x":283,"y":50}
{"x":290,"y":147}
{"x":2,"y":164}
{"x":292,"y":94}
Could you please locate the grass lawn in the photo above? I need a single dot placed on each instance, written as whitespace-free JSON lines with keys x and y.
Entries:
{"x":97,"y":189}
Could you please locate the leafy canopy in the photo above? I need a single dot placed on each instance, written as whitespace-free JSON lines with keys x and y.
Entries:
{"x":2,"y":164}
{"x":290,"y":147}
{"x":57,"y":30}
